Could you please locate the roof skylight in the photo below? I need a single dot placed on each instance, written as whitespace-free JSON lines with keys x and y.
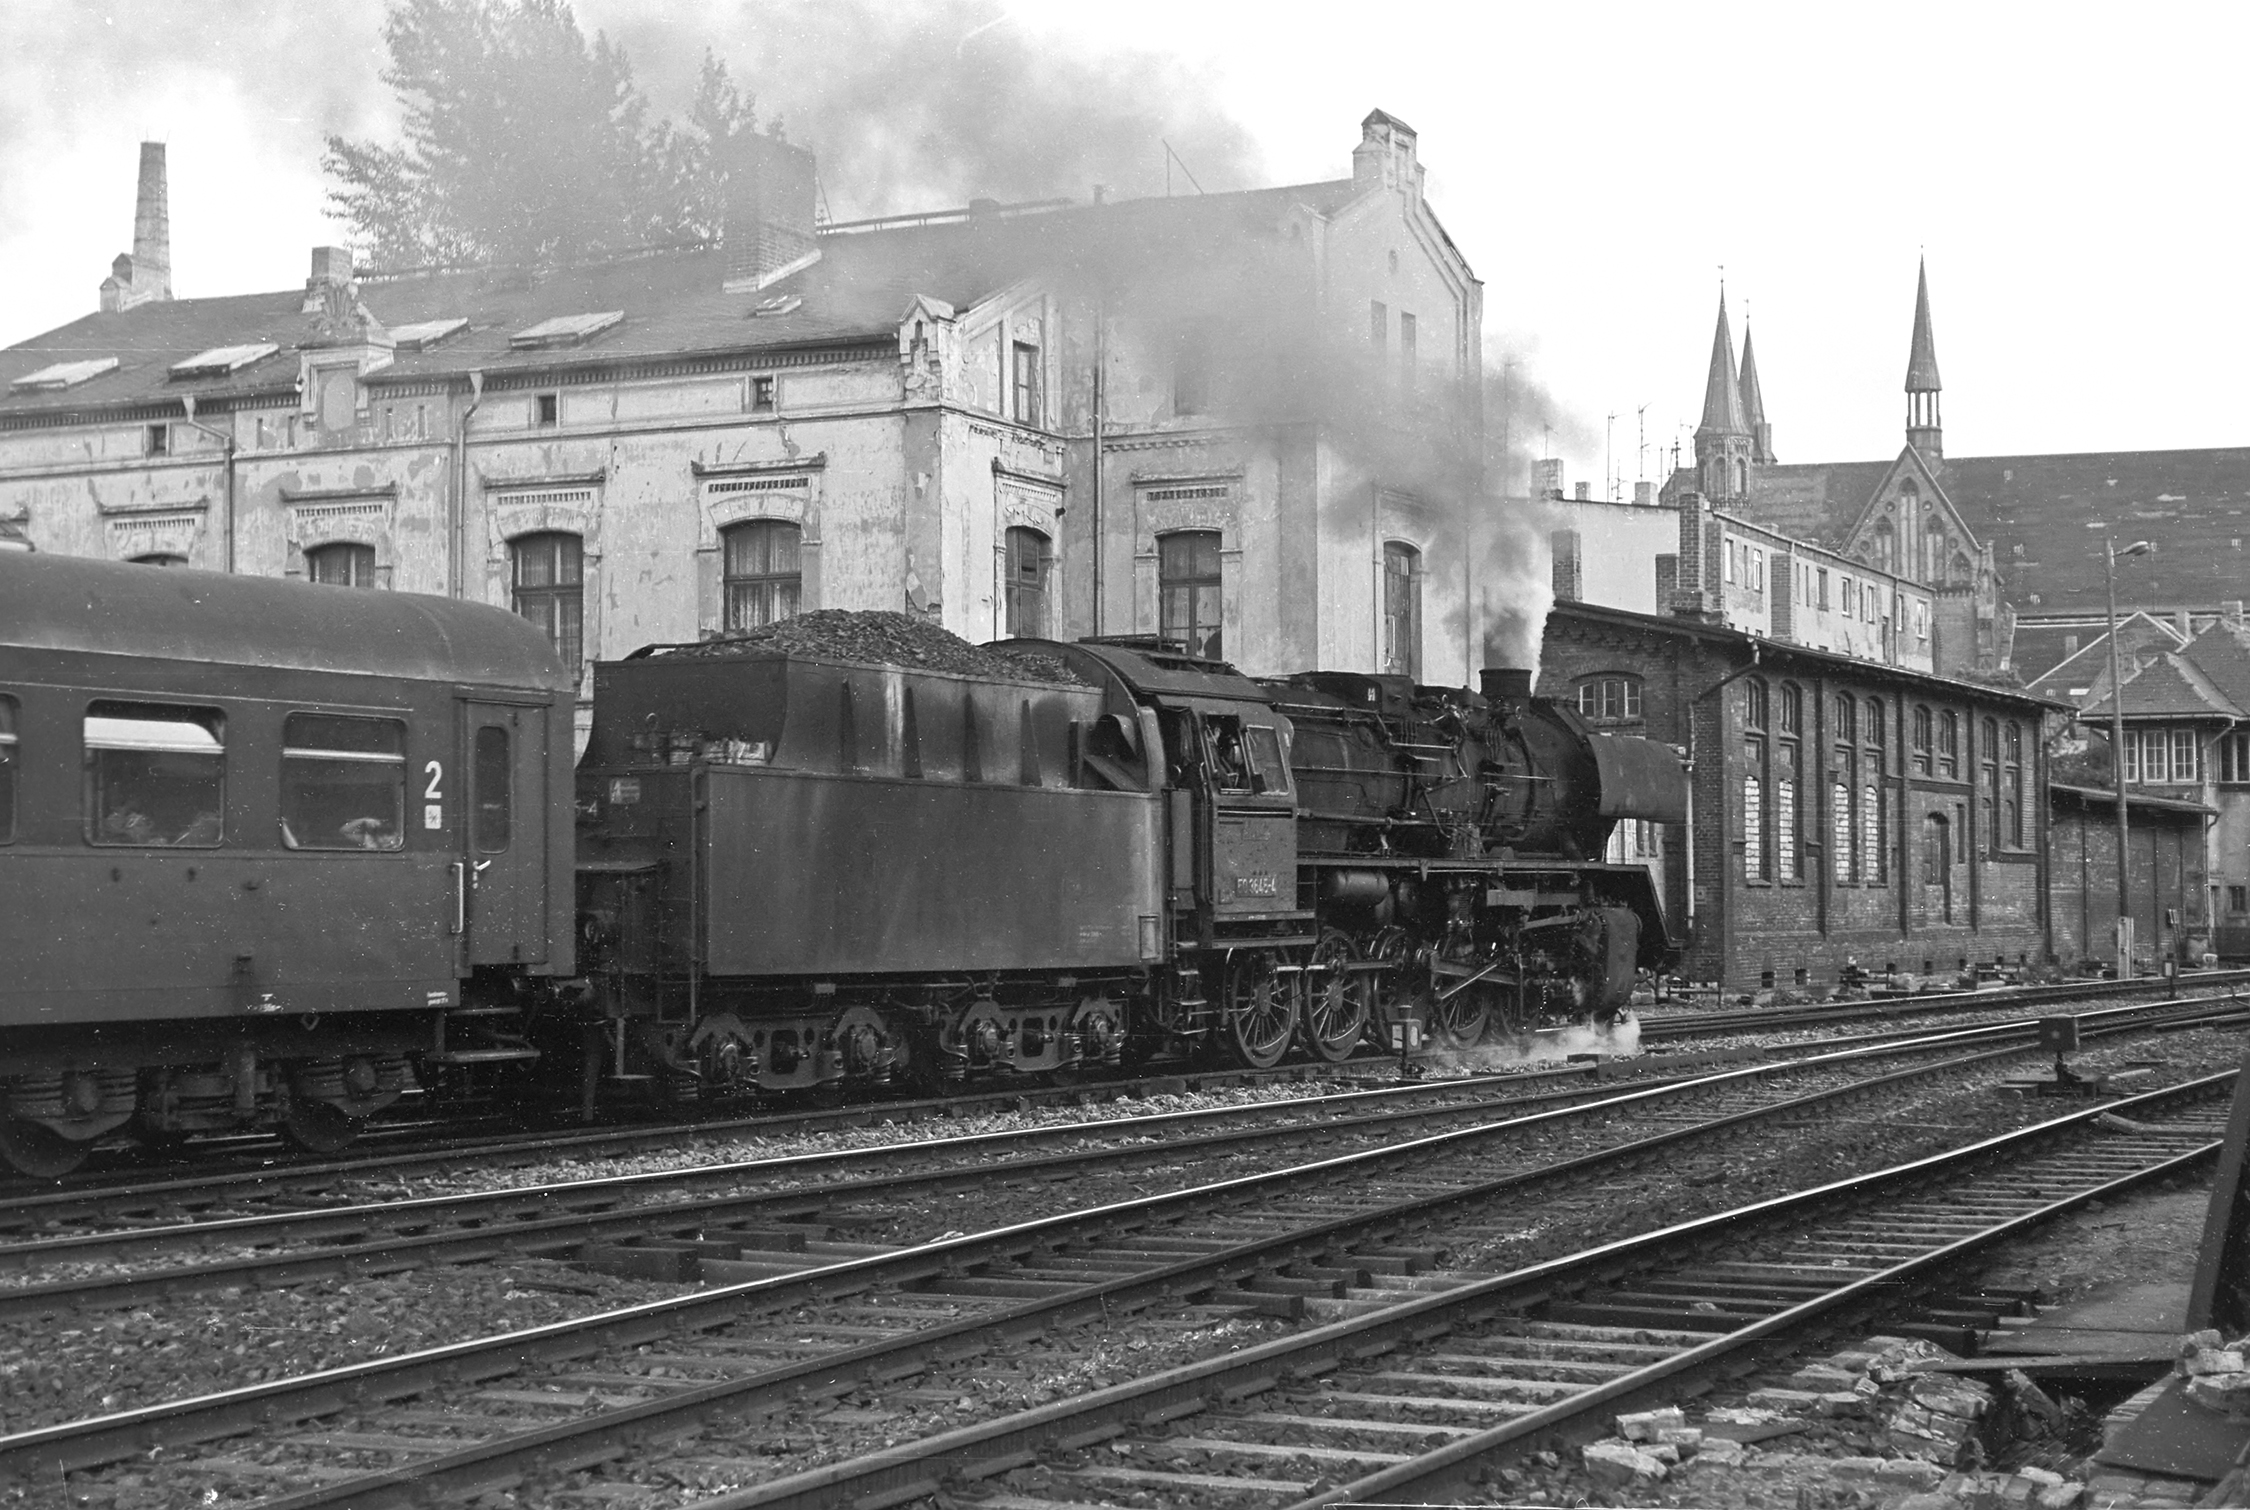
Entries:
{"x":63,"y":375}
{"x":223,"y":359}
{"x":423,"y":334}
{"x":779,"y":304}
{"x":566,"y":330}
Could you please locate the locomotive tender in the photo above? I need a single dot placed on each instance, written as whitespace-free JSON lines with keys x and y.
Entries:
{"x":274,"y":854}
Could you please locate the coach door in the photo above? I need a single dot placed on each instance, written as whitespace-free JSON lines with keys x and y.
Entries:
{"x":503,"y":769}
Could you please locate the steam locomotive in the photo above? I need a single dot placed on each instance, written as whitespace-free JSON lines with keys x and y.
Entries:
{"x":796,"y":870}
{"x":275,"y":855}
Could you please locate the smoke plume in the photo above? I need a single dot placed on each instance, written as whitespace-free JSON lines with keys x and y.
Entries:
{"x":930,"y":104}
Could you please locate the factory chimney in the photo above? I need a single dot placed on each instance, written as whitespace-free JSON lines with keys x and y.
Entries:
{"x":145,"y":273}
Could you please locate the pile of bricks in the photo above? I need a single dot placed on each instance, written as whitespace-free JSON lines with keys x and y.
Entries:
{"x":1912,"y":1432}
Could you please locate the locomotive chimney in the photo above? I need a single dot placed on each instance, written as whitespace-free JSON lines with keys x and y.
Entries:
{"x":1496,"y":682}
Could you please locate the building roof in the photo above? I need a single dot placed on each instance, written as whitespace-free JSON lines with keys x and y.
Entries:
{"x":1739,"y":642}
{"x":2171,"y":686}
{"x":1921,"y":357}
{"x":2036,"y":513}
{"x":671,"y":300}
{"x":2094,"y":796}
{"x":1722,"y":390}
{"x":2047,"y":663}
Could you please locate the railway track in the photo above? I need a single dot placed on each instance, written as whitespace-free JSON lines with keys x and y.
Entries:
{"x":265,"y":1168}
{"x":574,"y":1219}
{"x":1448,"y":1384}
{"x":1278,"y":1243}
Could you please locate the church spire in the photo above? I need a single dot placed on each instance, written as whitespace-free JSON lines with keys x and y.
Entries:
{"x":1722,"y":391}
{"x":1924,"y":431}
{"x":1722,"y":440}
{"x":1754,"y":403}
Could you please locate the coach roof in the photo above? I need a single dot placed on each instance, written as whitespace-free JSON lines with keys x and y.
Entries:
{"x":70,"y":603}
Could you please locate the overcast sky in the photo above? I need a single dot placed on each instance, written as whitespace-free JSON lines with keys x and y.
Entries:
{"x":2072,"y":175}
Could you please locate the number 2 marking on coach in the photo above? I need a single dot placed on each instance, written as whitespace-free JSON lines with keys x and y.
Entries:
{"x":433,"y":805}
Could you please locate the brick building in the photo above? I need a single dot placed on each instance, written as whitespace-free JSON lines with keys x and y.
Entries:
{"x":2165,"y":836}
{"x":1244,"y":420}
{"x":1843,"y":808}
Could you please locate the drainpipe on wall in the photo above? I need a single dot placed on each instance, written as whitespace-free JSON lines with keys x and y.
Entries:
{"x":1757,"y":649}
{"x":1101,"y":321}
{"x":457,"y":533}
{"x":226,"y":440}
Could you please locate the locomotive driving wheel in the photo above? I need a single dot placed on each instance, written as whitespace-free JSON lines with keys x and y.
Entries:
{"x":39,"y":1151}
{"x":1261,"y":1010}
{"x":1460,"y":1021}
{"x":1336,"y":999}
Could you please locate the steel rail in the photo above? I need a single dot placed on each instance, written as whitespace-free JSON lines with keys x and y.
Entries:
{"x":913,"y":1470}
{"x":77,"y":1445}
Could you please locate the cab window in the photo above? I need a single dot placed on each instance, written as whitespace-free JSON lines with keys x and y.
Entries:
{"x":155,"y":774}
{"x":7,"y":770}
{"x":1225,"y":755}
{"x":343,"y":782}
{"x":1268,"y":769}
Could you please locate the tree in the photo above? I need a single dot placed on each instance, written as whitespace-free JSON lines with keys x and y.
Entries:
{"x":522,"y":143}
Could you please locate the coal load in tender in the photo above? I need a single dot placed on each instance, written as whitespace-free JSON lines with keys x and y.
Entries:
{"x":886,"y":639}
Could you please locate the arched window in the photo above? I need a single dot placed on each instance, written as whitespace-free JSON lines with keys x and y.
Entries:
{"x":1937,"y":863}
{"x":1921,"y":741}
{"x":1886,"y":545}
{"x":763,"y":579}
{"x":547,"y":575}
{"x":1030,"y":557}
{"x":1949,"y":744}
{"x":1874,"y":850}
{"x":1402,"y":610}
{"x":341,"y":565}
{"x":1187,"y":588}
{"x":1755,"y":702}
{"x":160,"y":558}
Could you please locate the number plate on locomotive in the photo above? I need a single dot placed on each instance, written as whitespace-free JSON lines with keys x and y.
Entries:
{"x":1256,"y":886}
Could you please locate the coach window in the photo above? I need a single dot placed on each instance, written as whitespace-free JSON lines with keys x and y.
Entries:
{"x":341,"y":565}
{"x":155,"y":774}
{"x":1187,"y":585}
{"x":343,"y":782}
{"x":764,"y":578}
{"x":7,"y":770}
{"x":494,"y":801}
{"x":549,"y":581}
{"x":1030,"y":558}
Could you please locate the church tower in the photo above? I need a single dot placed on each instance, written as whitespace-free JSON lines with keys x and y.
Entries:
{"x":1722,"y":440}
{"x":1754,"y":404}
{"x":1924,"y":432}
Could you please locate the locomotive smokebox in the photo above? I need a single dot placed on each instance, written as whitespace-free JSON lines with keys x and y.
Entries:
{"x":1504,"y":681}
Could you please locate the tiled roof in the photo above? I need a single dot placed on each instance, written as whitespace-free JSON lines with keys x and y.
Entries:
{"x":2038,"y":514}
{"x":2088,"y":665}
{"x":672,"y":301}
{"x":2171,"y":686}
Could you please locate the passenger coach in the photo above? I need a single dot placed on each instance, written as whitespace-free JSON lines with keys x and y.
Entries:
{"x":264,"y":848}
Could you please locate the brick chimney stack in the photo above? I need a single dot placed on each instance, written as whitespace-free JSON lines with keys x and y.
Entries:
{"x":145,"y":273}
{"x":769,"y":212}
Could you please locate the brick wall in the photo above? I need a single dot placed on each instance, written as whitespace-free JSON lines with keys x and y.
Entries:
{"x":1570,"y":569}
{"x":2167,"y":871}
{"x":1989,"y":904}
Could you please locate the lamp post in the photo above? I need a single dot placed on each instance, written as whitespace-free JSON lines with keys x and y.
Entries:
{"x":2110,"y":553}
